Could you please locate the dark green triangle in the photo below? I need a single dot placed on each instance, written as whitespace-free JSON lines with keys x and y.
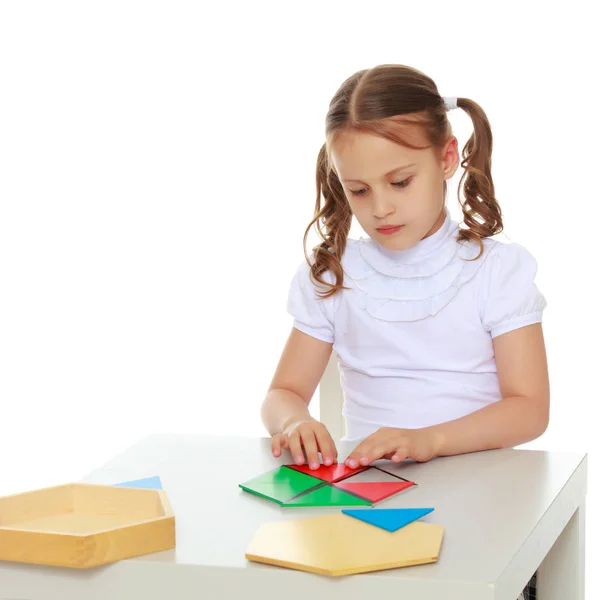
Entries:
{"x":327,"y":496}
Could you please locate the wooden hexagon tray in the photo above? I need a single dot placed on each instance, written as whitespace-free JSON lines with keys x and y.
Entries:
{"x":83,"y":525}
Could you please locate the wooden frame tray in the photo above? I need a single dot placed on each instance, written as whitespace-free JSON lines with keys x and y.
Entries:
{"x":83,"y":525}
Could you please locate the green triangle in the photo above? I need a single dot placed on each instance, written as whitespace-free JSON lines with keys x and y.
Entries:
{"x":327,"y":496}
{"x":287,"y":476}
{"x":269,"y":492}
{"x":280,"y":484}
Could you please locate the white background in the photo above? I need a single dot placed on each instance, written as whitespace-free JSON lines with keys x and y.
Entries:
{"x":157,"y":173}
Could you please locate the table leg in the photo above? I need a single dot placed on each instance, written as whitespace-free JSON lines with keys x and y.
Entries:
{"x":561,"y":576}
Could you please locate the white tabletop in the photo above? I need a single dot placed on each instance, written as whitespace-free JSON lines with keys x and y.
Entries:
{"x":490,"y":503}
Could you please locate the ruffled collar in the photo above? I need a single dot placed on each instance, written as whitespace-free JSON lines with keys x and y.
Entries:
{"x":426,"y":257}
{"x":422,"y":249}
{"x":406,"y":285}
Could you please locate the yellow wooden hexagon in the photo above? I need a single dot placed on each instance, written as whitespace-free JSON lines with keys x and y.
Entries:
{"x":338,"y":544}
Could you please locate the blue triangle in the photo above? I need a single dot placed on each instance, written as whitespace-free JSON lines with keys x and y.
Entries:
{"x":152,"y":483}
{"x":390,"y":519}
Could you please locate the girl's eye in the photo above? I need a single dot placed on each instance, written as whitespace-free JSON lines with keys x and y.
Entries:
{"x":400,"y":184}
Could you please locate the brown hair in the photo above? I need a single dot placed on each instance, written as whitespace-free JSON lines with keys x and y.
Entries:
{"x":377,"y":101}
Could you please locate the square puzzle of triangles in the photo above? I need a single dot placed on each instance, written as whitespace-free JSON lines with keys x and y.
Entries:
{"x":335,"y":485}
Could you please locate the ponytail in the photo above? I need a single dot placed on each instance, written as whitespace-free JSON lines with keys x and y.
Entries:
{"x":479,"y":196}
{"x":332,"y":220}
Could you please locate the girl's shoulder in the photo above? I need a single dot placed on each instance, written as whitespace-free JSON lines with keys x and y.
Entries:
{"x":305,"y":285}
{"x":508,"y":295}
{"x":505,"y":255}
{"x":507,"y":262}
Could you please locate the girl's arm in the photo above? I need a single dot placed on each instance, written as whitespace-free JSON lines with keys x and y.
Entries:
{"x":523,"y":413}
{"x":284,"y":410}
{"x":301,"y":366}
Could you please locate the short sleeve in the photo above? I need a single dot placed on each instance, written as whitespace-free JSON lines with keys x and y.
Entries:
{"x":312,"y":314}
{"x":509,"y":297}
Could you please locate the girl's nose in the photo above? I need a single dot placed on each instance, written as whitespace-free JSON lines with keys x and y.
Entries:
{"x":382,"y":208}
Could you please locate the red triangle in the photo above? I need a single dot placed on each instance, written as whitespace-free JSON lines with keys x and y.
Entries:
{"x":331,"y":473}
{"x":375,"y":491}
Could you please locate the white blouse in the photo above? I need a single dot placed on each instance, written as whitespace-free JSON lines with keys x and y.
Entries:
{"x":413,"y":334}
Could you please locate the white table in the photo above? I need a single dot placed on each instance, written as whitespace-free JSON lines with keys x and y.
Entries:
{"x":505,"y":512}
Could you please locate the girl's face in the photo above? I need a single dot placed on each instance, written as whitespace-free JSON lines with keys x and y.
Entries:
{"x":380,"y":194}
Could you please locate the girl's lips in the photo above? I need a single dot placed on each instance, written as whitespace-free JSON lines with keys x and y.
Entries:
{"x":389,"y":230}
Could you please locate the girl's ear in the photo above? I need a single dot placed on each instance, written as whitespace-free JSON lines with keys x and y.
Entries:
{"x":451,"y":157}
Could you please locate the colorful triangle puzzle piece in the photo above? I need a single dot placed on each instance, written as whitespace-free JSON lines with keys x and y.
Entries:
{"x":280,"y":484}
{"x":327,"y":496}
{"x":374,"y":491}
{"x":390,"y":519}
{"x":331,"y":473}
{"x":152,"y":483}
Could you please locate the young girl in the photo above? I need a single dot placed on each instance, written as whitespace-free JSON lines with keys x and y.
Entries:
{"x":437,"y":327}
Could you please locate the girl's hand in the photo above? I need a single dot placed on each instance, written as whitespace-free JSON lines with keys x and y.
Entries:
{"x":396,"y":444}
{"x":306,"y":436}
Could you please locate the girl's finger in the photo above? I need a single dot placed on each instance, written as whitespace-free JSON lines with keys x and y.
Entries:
{"x":295,"y":446}
{"x":276,"y":444}
{"x":381,"y":446}
{"x":374,"y":453}
{"x":400,"y":455}
{"x":327,"y":447}
{"x":309,"y":441}
{"x":361,"y":450}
